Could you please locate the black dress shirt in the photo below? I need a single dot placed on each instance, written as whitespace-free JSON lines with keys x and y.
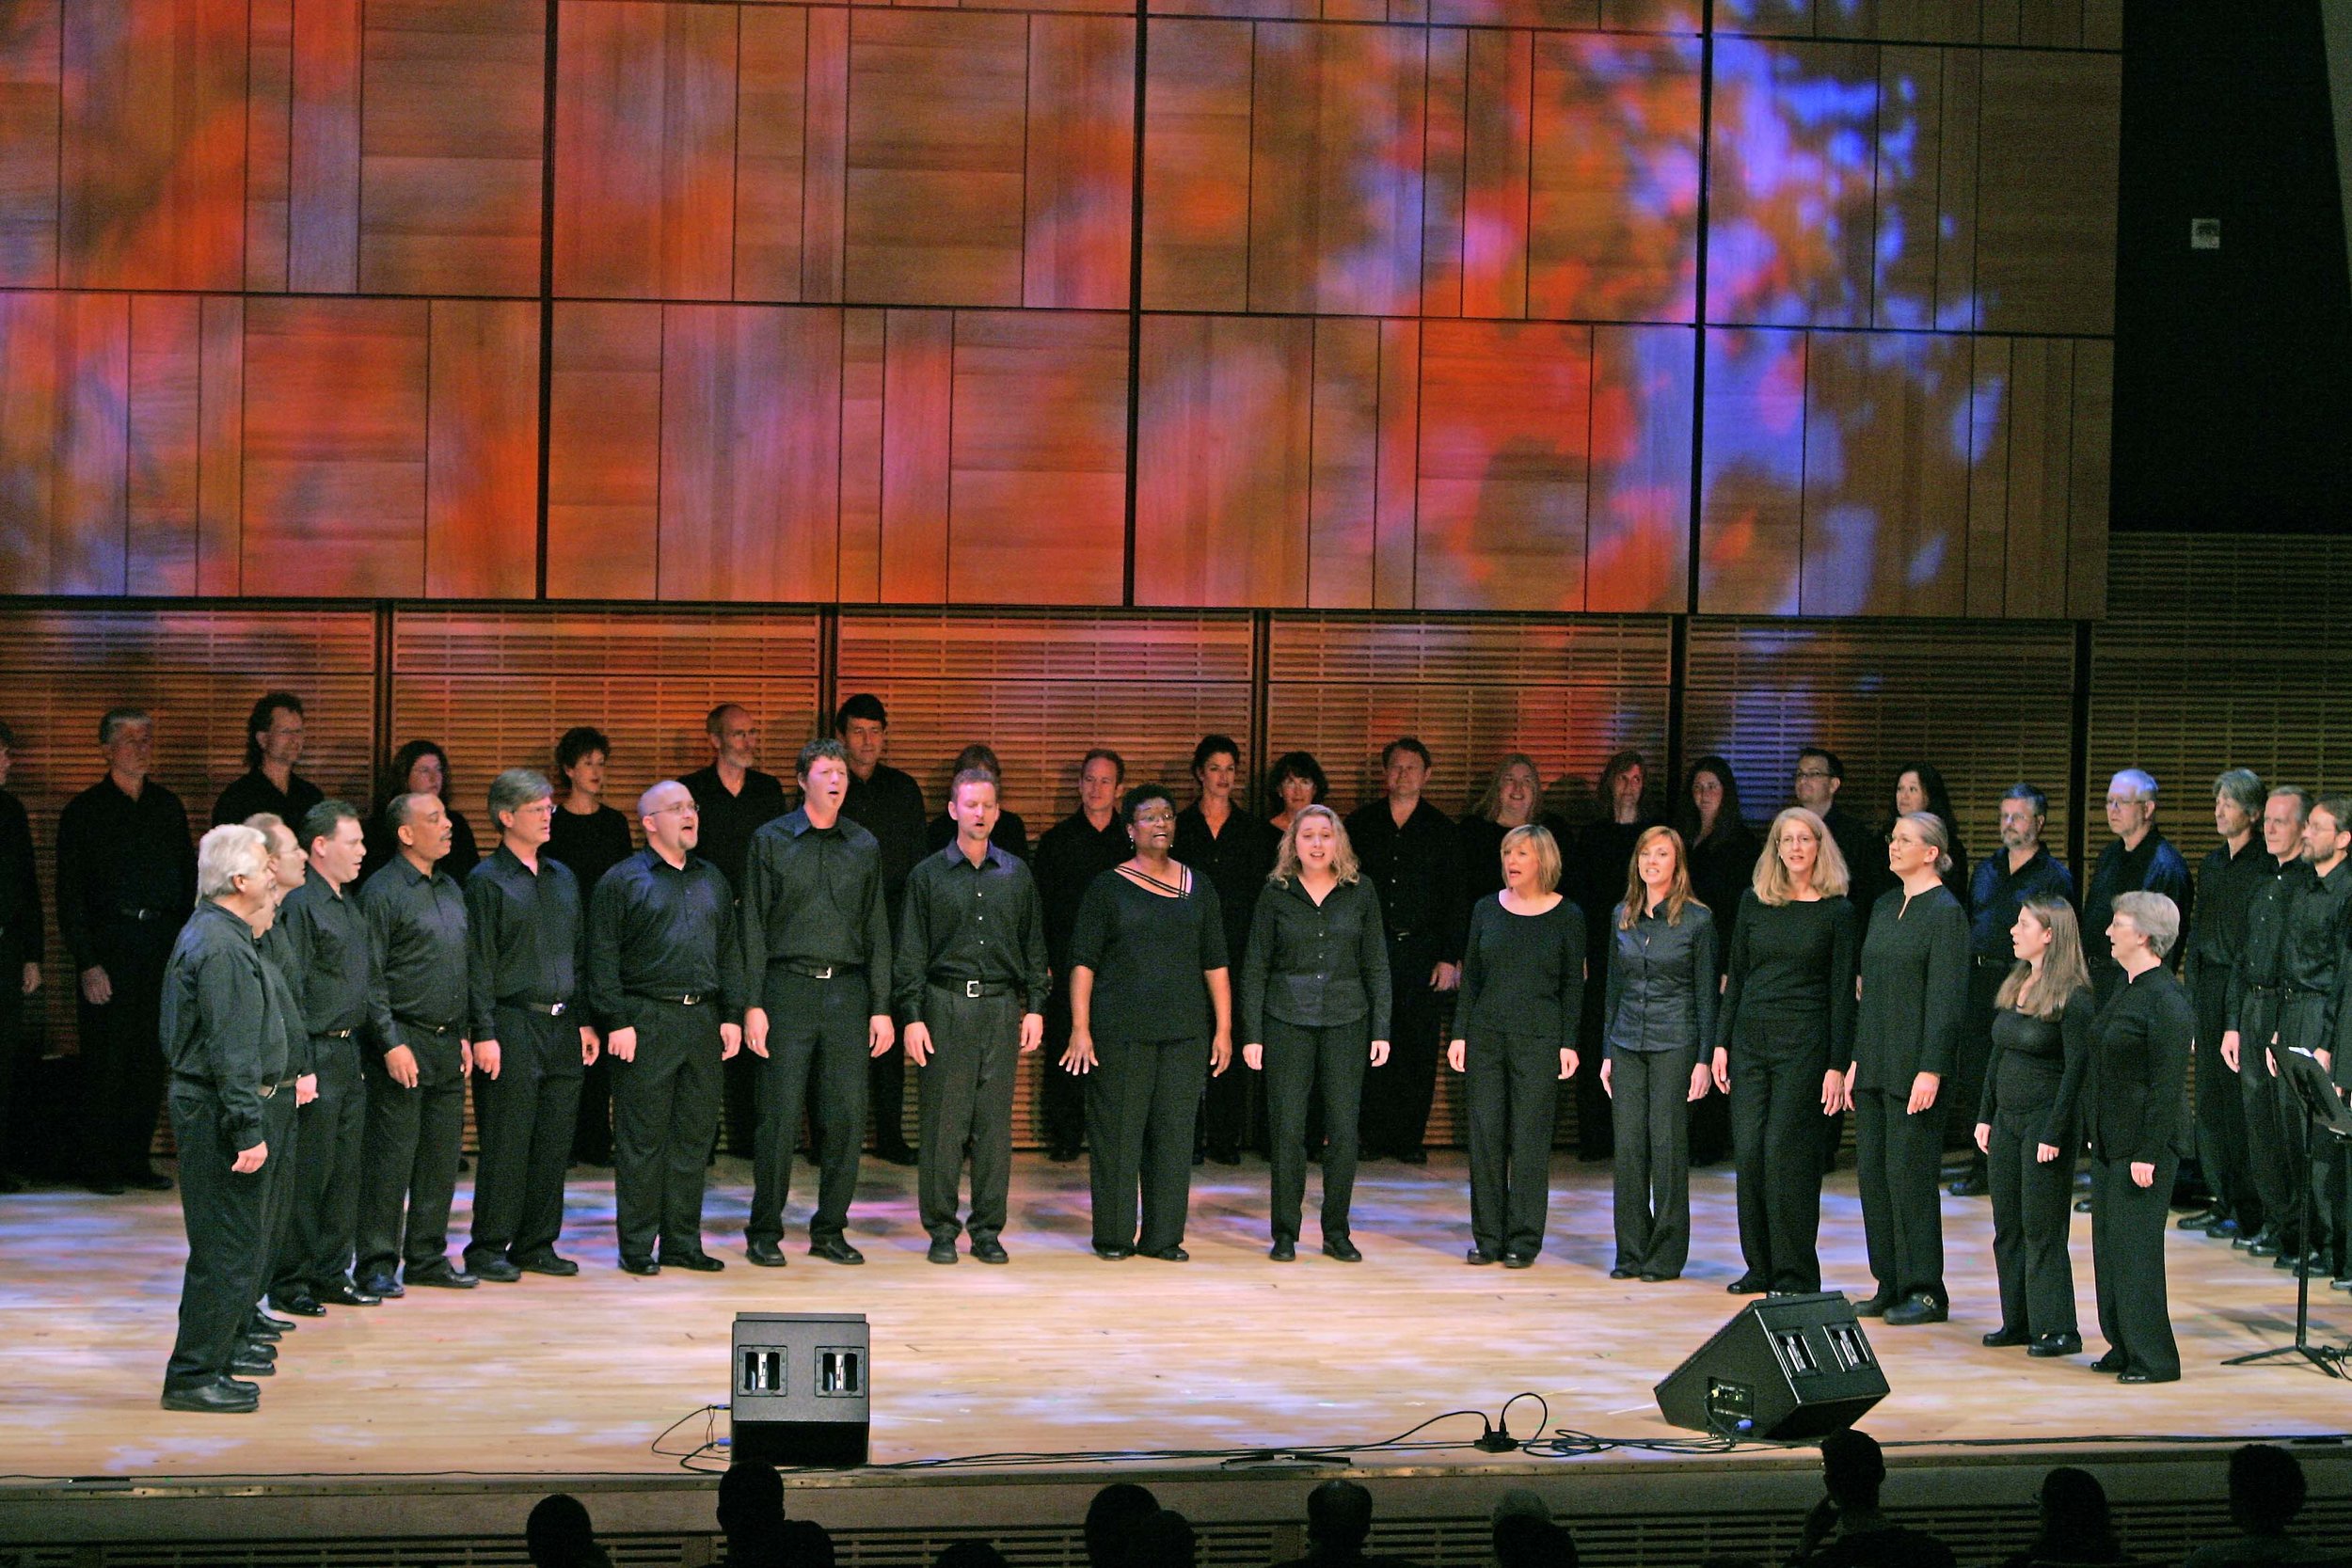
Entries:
{"x":1865,"y":853}
{"x":1792,"y":961}
{"x":1417,"y":870}
{"x":730,"y":820}
{"x":416,"y":936}
{"x":2260,"y":957}
{"x":591,"y":843}
{"x":2152,"y":866}
{"x":2138,"y":1064}
{"x":966,"y":922}
{"x":813,"y":898}
{"x":657,"y":929}
{"x":1662,"y":981}
{"x":1149,"y":954}
{"x":2226,"y":884}
{"x":1915,"y":989}
{"x":220,"y":1020}
{"x":20,"y":939}
{"x":2312,"y":957}
{"x":126,"y":873}
{"x":254,"y":794}
{"x":1236,"y":862}
{"x":383,"y":846}
{"x":278,"y":977}
{"x":1996,"y":894}
{"x":2062,"y":1044}
{"x":1523,"y":975}
{"x":1315,"y":964}
{"x":1722,"y":868}
{"x":526,"y":936}
{"x":1070,"y":855}
{"x":328,"y":962}
{"x":1011,"y":834}
{"x":889,"y":806}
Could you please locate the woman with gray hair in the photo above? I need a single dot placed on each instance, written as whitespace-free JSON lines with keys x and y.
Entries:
{"x":2138,"y":1064}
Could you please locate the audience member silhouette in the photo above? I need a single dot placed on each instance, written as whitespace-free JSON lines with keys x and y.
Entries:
{"x":1166,"y":1539}
{"x":2266,"y":1491}
{"x":2075,"y":1525}
{"x":1523,"y":1541}
{"x":1845,"y":1528}
{"x":751,"y":1516}
{"x":560,"y":1535}
{"x":1339,"y":1522}
{"x":1111,"y":1521}
{"x":971,"y":1554}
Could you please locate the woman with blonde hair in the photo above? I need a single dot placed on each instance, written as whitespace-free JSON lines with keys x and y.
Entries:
{"x":2042,"y":1020}
{"x":1783,"y":1036}
{"x":1659,"y":1016}
{"x":1513,"y":798}
{"x":1314,"y":990}
{"x":1515,"y":1042}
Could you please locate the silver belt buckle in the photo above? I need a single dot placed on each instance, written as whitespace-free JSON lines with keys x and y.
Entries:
{"x":556,"y":1009}
{"x":972,"y":989}
{"x":824,"y":973}
{"x":691,"y":998}
{"x":266,"y":1090}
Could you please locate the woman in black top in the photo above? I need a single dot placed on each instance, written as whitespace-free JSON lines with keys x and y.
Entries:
{"x":1147,"y":972}
{"x":1913,"y":1006}
{"x":420,"y":767}
{"x":1783,"y":1038}
{"x":1723,"y":862}
{"x":591,"y":838}
{"x":1661,"y":1013}
{"x":1920,"y":786}
{"x":1293,"y":782}
{"x":1314,"y":990}
{"x":1515,"y":1040}
{"x":2025,"y":1125}
{"x":1513,"y":799}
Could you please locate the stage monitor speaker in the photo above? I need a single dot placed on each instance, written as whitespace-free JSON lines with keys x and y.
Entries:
{"x":800,"y":1389}
{"x":1787,"y":1369}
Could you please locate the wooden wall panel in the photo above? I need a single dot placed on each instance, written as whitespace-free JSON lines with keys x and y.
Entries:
{"x":826,"y":167}
{"x":164,"y":443}
{"x":1497,"y":130}
{"x":1791,"y":193}
{"x":864,"y":372}
{"x":1612,"y":214}
{"x":2088,"y":488}
{"x":322,"y":173}
{"x":1078,"y":230}
{"x":1344,"y":480}
{"x":2046,"y":225}
{"x":31,"y":82}
{"x":770,"y":151}
{"x":1396,"y":482}
{"x":1196,"y":167}
{"x":917,"y":414}
{"x":1445,"y":175}
{"x":481,"y":496}
{"x":604,"y":452}
{"x":28,"y":437}
{"x":1751,"y":489}
{"x":90,"y":527}
{"x":1885,"y":501}
{"x":2041,"y":473}
{"x":1637,"y":555}
{"x":269,"y":143}
{"x":151,"y":154}
{"x":221,"y":454}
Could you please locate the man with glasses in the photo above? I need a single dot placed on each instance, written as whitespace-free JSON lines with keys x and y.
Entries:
{"x":1820,"y":774}
{"x":2274,"y":1121}
{"x":2140,"y":859}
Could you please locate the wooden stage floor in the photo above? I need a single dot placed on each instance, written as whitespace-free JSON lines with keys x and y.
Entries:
{"x":1062,"y":1352}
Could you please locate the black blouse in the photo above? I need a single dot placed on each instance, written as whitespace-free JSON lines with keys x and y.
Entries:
{"x":1792,"y":961}
{"x":1523,"y":973}
{"x":1315,"y":964}
{"x":2062,"y":1044}
{"x":1915,"y":989}
{"x":1149,"y":953}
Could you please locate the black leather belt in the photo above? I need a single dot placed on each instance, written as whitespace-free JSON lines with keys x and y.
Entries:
{"x":268,"y":1090}
{"x":545,"y":1009}
{"x":1983,"y":962}
{"x":334,"y":1034}
{"x":973,"y":990}
{"x":691,"y":998}
{"x":831,"y":972}
{"x":127,"y":912}
{"x":438,"y":1031}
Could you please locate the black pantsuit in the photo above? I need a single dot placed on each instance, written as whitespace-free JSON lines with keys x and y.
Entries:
{"x":280,"y":1178}
{"x":2127,"y":1226}
{"x":227,"y":1239}
{"x":315,"y":1243}
{"x":526,"y":1117}
{"x":1648,"y":1110}
{"x":2139,"y":1054}
{"x":1778,"y":1061}
{"x":966,"y":1089}
{"x":1902,"y":1214}
{"x":1914,"y":1005}
{"x":1303,"y":1064}
{"x":665,"y":1103}
{"x":817,"y":1032}
{"x":410,"y":1145}
{"x":1511,"y":1097}
{"x":1141,"y":1099}
{"x":2033,"y":1202}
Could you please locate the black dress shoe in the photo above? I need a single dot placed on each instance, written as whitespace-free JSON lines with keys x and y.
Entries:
{"x":1971,"y":1185}
{"x":2137,"y":1374}
{"x":1284,"y":1252}
{"x":2047,"y":1345}
{"x":263,"y":1319}
{"x":2222,"y":1230}
{"x":835,"y":1249}
{"x":2111,"y":1362}
{"x":1918,"y":1307}
{"x":941,"y":1252}
{"x":766,"y":1255}
{"x":697,"y":1262}
{"x":382,"y":1286}
{"x":343,"y":1293}
{"x":1478,"y":1256}
{"x":221,"y":1396}
{"x":1621,"y":1271}
{"x":441,"y":1277}
{"x":640,"y":1265}
{"x":547,"y":1264}
{"x":260,"y":1350}
{"x":1518,"y":1260}
{"x":1412,"y":1156}
{"x":257,"y":1331}
{"x":988,"y":1249}
{"x":2199,"y":1220}
{"x":2267,"y":1244}
{"x":1171,"y":1255}
{"x":497,"y":1271}
{"x":2003,"y":1337}
{"x":1654,"y":1276}
{"x":2082,"y":1205}
{"x":1876,"y":1307}
{"x":1062,"y":1154}
{"x":1747,"y":1285}
{"x":901,"y":1155}
{"x":1341,"y":1249}
{"x":304,"y":1306}
{"x":147,"y":1181}
{"x":244,"y":1364}
{"x":1113,"y":1254}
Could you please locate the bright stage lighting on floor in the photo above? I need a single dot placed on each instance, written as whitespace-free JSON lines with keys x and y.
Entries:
{"x":799,"y":1392}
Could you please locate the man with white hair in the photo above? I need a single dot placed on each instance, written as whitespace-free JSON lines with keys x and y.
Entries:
{"x":2140,"y":860}
{"x":225,"y":1039}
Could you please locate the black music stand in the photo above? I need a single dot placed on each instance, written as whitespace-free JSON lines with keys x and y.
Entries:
{"x":2311,"y":1089}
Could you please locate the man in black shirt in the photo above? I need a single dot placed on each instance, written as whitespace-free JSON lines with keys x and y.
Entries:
{"x":2257,"y":990}
{"x":2313,"y":1016}
{"x":527,"y":939}
{"x":1407,"y":847}
{"x":1235,"y":851}
{"x":971,"y":983}
{"x":888,"y":805}
{"x":2226,"y":884}
{"x":735,"y":800}
{"x":126,"y":882}
{"x":592,"y":838}
{"x":20,"y":934}
{"x":273,"y":744}
{"x":817,"y":979}
{"x":417,"y":1006}
{"x":1820,"y":774}
{"x":2139,"y":859}
{"x":1071,"y":854}
{"x":664,"y":987}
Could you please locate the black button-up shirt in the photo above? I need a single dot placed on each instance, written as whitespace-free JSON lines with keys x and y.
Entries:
{"x":417,"y":934}
{"x":20,"y":938}
{"x":729,"y":820}
{"x":2312,"y":963}
{"x":1315,"y":964}
{"x":889,"y":805}
{"x":2226,"y":884}
{"x":1070,"y":855}
{"x":1237,"y":860}
{"x":328,"y":962}
{"x":2152,"y":866}
{"x":525,"y":939}
{"x":1662,"y":981}
{"x":1011,"y":834}
{"x":2259,"y":960}
{"x":117,"y":857}
{"x":1997,"y":893}
{"x":813,"y":898}
{"x":254,"y":794}
{"x":966,"y":922}
{"x":656,"y":929}
{"x":221,"y":1020}
{"x":1417,"y":870}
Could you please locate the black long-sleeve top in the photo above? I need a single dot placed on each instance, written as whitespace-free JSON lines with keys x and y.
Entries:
{"x":1723,"y":869}
{"x":730,"y":818}
{"x":1149,"y":954}
{"x":889,"y":805}
{"x":117,"y":856}
{"x":1865,"y":853}
{"x":1315,"y":964}
{"x":1661,"y":993}
{"x":1997,"y":893}
{"x":1523,"y":975}
{"x":1011,"y":834}
{"x":2259,"y":961}
{"x":2138,"y":1063}
{"x":253,"y":794}
{"x":1070,"y":856}
{"x":2062,"y":1043}
{"x":417,"y":938}
{"x":1417,"y":870}
{"x":1914,"y":987}
{"x":2312,"y":960}
{"x":662,"y":930}
{"x":812,"y":897}
{"x":2153,"y":865}
{"x":328,"y":961}
{"x":2226,"y":884}
{"x":1236,"y":861}
{"x":966,"y":922}
{"x":383,"y":846}
{"x":526,"y":934}
{"x":277,"y":975}
{"x":20,"y":938}
{"x":1792,"y":961}
{"x":220,"y":1020}
{"x":591,"y":843}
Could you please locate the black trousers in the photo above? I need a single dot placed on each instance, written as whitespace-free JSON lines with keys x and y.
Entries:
{"x":2274,"y":1123}
{"x":1306,"y":1064}
{"x":817,"y":1030}
{"x":316,"y":1237}
{"x":11,"y":1015}
{"x":1061,"y":1097}
{"x":225,"y":1217}
{"x":1394,"y":1118}
{"x":1228,"y":1112}
{"x":665,"y":1106}
{"x":280,"y":1178}
{"x":738,"y":1132}
{"x":122,"y":1066}
{"x":1649,"y":1107}
{"x":2302,"y":1022}
{"x":2127,"y":1225}
{"x":1511,"y":1097}
{"x":2221,"y":1137}
{"x":411,"y":1145}
{"x":1595,"y":1122}
{"x":1899,"y":1156}
{"x":2033,"y":1204}
{"x":592,"y":1137}
{"x":887,"y":1095}
{"x":1777,"y":1070}
{"x":966,"y":1110}
{"x":526,"y":1117}
{"x":1962,"y":1091}
{"x":1141,"y":1099}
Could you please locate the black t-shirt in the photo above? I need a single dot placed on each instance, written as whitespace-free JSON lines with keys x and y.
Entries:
{"x":1149,"y":954}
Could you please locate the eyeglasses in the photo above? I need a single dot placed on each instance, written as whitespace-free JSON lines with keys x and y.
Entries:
{"x":2127,"y":800}
{"x":1812,"y":772}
